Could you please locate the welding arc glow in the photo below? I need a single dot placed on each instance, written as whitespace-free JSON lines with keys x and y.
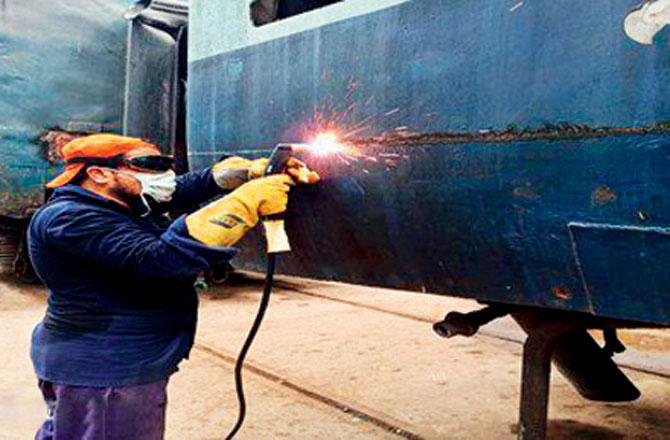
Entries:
{"x":326,"y":143}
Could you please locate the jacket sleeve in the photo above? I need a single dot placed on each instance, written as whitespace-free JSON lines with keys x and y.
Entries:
{"x":193,"y":188}
{"x":118,"y":242}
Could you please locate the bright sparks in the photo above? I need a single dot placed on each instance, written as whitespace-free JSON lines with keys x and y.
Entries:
{"x":326,"y":143}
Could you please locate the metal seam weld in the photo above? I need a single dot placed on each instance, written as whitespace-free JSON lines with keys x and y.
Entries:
{"x":563,"y":131}
{"x":580,"y":269}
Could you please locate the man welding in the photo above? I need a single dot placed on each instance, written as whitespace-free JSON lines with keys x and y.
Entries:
{"x":122,"y":309}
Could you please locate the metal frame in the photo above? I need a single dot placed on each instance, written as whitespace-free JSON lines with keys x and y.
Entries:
{"x":561,"y":337}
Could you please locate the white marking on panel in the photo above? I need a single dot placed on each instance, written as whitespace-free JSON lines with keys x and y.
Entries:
{"x":515,"y":7}
{"x":643,"y":23}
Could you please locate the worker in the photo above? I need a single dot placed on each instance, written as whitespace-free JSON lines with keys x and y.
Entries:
{"x":122,"y":309}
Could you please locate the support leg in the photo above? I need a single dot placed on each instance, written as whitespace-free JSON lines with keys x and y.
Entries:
{"x":535,"y":386}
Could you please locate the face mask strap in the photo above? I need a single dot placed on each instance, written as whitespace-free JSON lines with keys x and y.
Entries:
{"x":146,"y":205}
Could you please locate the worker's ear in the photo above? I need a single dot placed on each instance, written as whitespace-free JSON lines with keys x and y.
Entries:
{"x":100,"y":175}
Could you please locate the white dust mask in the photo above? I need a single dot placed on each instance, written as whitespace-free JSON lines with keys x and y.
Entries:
{"x":158,"y":186}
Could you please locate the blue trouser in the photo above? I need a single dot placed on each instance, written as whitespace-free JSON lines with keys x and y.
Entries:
{"x":135,"y":412}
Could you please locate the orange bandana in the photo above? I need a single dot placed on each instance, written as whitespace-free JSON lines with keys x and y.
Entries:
{"x":94,"y":146}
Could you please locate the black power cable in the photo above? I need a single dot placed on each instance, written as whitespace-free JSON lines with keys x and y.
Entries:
{"x":239,"y":364}
{"x":276,"y":164}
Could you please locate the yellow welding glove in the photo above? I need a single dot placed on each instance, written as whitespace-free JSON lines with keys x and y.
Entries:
{"x":224,"y":221}
{"x":234,"y":171}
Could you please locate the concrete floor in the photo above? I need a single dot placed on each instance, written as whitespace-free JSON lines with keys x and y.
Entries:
{"x":346,"y":362}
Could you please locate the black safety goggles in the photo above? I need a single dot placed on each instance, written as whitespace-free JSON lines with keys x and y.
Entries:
{"x":150,"y":163}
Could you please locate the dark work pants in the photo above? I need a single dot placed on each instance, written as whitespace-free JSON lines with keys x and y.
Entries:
{"x":135,"y":412}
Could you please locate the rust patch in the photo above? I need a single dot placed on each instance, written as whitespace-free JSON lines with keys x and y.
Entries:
{"x":602,"y":195}
{"x":561,"y":292}
{"x":53,"y":141}
{"x":513,"y":134}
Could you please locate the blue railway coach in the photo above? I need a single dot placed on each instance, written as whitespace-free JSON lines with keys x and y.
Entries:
{"x":69,"y":68}
{"x":62,"y":70}
{"x":510,"y":151}
{"x":515,"y":152}
{"x":49,"y":53}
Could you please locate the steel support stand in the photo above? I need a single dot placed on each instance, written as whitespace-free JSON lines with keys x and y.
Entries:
{"x":562,"y":337}
{"x":536,"y":371}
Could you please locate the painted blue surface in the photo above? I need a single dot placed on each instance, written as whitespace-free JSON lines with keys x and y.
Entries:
{"x":483,"y":220}
{"x":445,"y":65}
{"x":62,"y":63}
{"x":491,"y":221}
{"x":639,"y":255}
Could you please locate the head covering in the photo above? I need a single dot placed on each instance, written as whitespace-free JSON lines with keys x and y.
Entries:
{"x":94,"y":146}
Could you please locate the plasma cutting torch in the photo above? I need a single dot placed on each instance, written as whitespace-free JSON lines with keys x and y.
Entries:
{"x":277,"y":242}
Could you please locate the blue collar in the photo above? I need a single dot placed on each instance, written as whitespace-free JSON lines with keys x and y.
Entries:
{"x":79,"y":194}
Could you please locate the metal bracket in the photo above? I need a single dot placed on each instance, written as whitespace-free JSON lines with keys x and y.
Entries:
{"x":560,"y":337}
{"x":612,"y":342}
{"x":467,"y":324}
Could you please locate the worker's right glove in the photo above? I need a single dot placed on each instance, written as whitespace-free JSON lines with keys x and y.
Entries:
{"x":224,"y":221}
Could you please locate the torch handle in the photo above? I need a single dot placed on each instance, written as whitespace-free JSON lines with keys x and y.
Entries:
{"x":278,"y":159}
{"x":275,"y":230}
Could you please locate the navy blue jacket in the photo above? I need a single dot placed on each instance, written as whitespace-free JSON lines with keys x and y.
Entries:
{"x":122,"y":308}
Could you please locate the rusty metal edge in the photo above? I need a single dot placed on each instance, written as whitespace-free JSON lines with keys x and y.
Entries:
{"x":560,"y":131}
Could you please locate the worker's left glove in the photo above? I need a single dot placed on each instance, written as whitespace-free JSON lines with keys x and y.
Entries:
{"x":235,"y":171}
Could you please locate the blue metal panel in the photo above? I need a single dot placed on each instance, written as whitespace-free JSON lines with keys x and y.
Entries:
{"x":62,"y":64}
{"x":445,"y":65}
{"x":487,"y":220}
{"x":623,"y":265}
